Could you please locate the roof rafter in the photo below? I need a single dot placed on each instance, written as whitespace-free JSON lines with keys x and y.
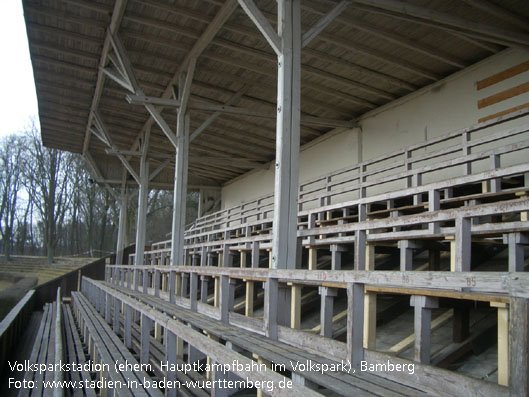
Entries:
{"x":441,"y":20}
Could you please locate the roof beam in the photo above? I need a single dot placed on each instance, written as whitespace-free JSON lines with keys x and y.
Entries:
{"x":117,"y":15}
{"x":239,"y":162}
{"x":441,"y":20}
{"x":135,"y":99}
{"x":323,"y":22}
{"x":262,"y":24}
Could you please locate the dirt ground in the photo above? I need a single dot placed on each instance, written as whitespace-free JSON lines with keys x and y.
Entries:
{"x":22,"y":273}
{"x":37,"y":266}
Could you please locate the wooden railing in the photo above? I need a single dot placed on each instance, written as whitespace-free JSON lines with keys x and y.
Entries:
{"x":12,"y":327}
{"x":464,"y":151}
{"x":510,"y":291}
{"x":427,"y":211}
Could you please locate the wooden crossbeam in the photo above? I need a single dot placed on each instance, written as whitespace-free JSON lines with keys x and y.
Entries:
{"x":197,"y":105}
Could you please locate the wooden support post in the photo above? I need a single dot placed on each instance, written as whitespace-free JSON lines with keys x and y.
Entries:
{"x":249,"y":300}
{"x":146,"y":326}
{"x":108,"y":308}
{"x":255,"y":254}
{"x":178,"y":284}
{"x":172,"y":287}
{"x":295,"y":306}
{"x":122,"y":225}
{"x":434,"y":204}
{"x":164,"y":282}
{"x":406,"y":254}
{"x":288,"y":136}
{"x":515,"y":242}
{"x":370,"y":302}
{"x":117,"y":307}
{"x":360,"y":248}
{"x":145,"y":281}
{"x":495,"y":183}
{"x":216,"y":291}
{"x":204,"y":285}
{"x":327,"y":310}
{"x":143,"y":193}
{"x":181,"y":168}
{"x":519,"y":347}
{"x":136,"y":276}
{"x":157,"y":332}
{"x":231,"y":294}
{"x":227,"y":257}
{"x":313,"y":258}
{"x":270,"y":307}
{"x":462,"y":245}
{"x":193,"y":290}
{"x":503,"y":342}
{"x":209,"y":259}
{"x":204,"y":256}
{"x":355,"y":326}
{"x":422,"y":326}
{"x":170,"y":357}
{"x":156,"y":283}
{"x":184,"y":290}
{"x":243,"y":256}
{"x":336,"y":256}
{"x":224,"y":296}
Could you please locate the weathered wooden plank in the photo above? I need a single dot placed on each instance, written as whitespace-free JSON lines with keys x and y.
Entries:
{"x":519,"y":347}
{"x":216,"y":351}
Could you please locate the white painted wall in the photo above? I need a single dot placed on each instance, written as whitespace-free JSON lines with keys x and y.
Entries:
{"x":446,"y":106}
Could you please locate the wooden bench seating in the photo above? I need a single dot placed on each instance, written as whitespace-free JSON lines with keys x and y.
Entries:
{"x":105,"y":347}
{"x":43,"y":352}
{"x":74,"y":353}
{"x":343,"y":383}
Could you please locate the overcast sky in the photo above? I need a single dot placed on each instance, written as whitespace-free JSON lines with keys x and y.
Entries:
{"x":18,"y":101}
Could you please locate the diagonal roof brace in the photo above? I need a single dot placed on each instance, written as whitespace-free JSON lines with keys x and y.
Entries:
{"x":121,"y":62}
{"x":262,"y":24}
{"x":323,"y":22}
{"x":100,"y":129}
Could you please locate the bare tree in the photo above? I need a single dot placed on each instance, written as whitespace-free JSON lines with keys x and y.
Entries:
{"x":11,"y":149}
{"x":48,"y":177}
